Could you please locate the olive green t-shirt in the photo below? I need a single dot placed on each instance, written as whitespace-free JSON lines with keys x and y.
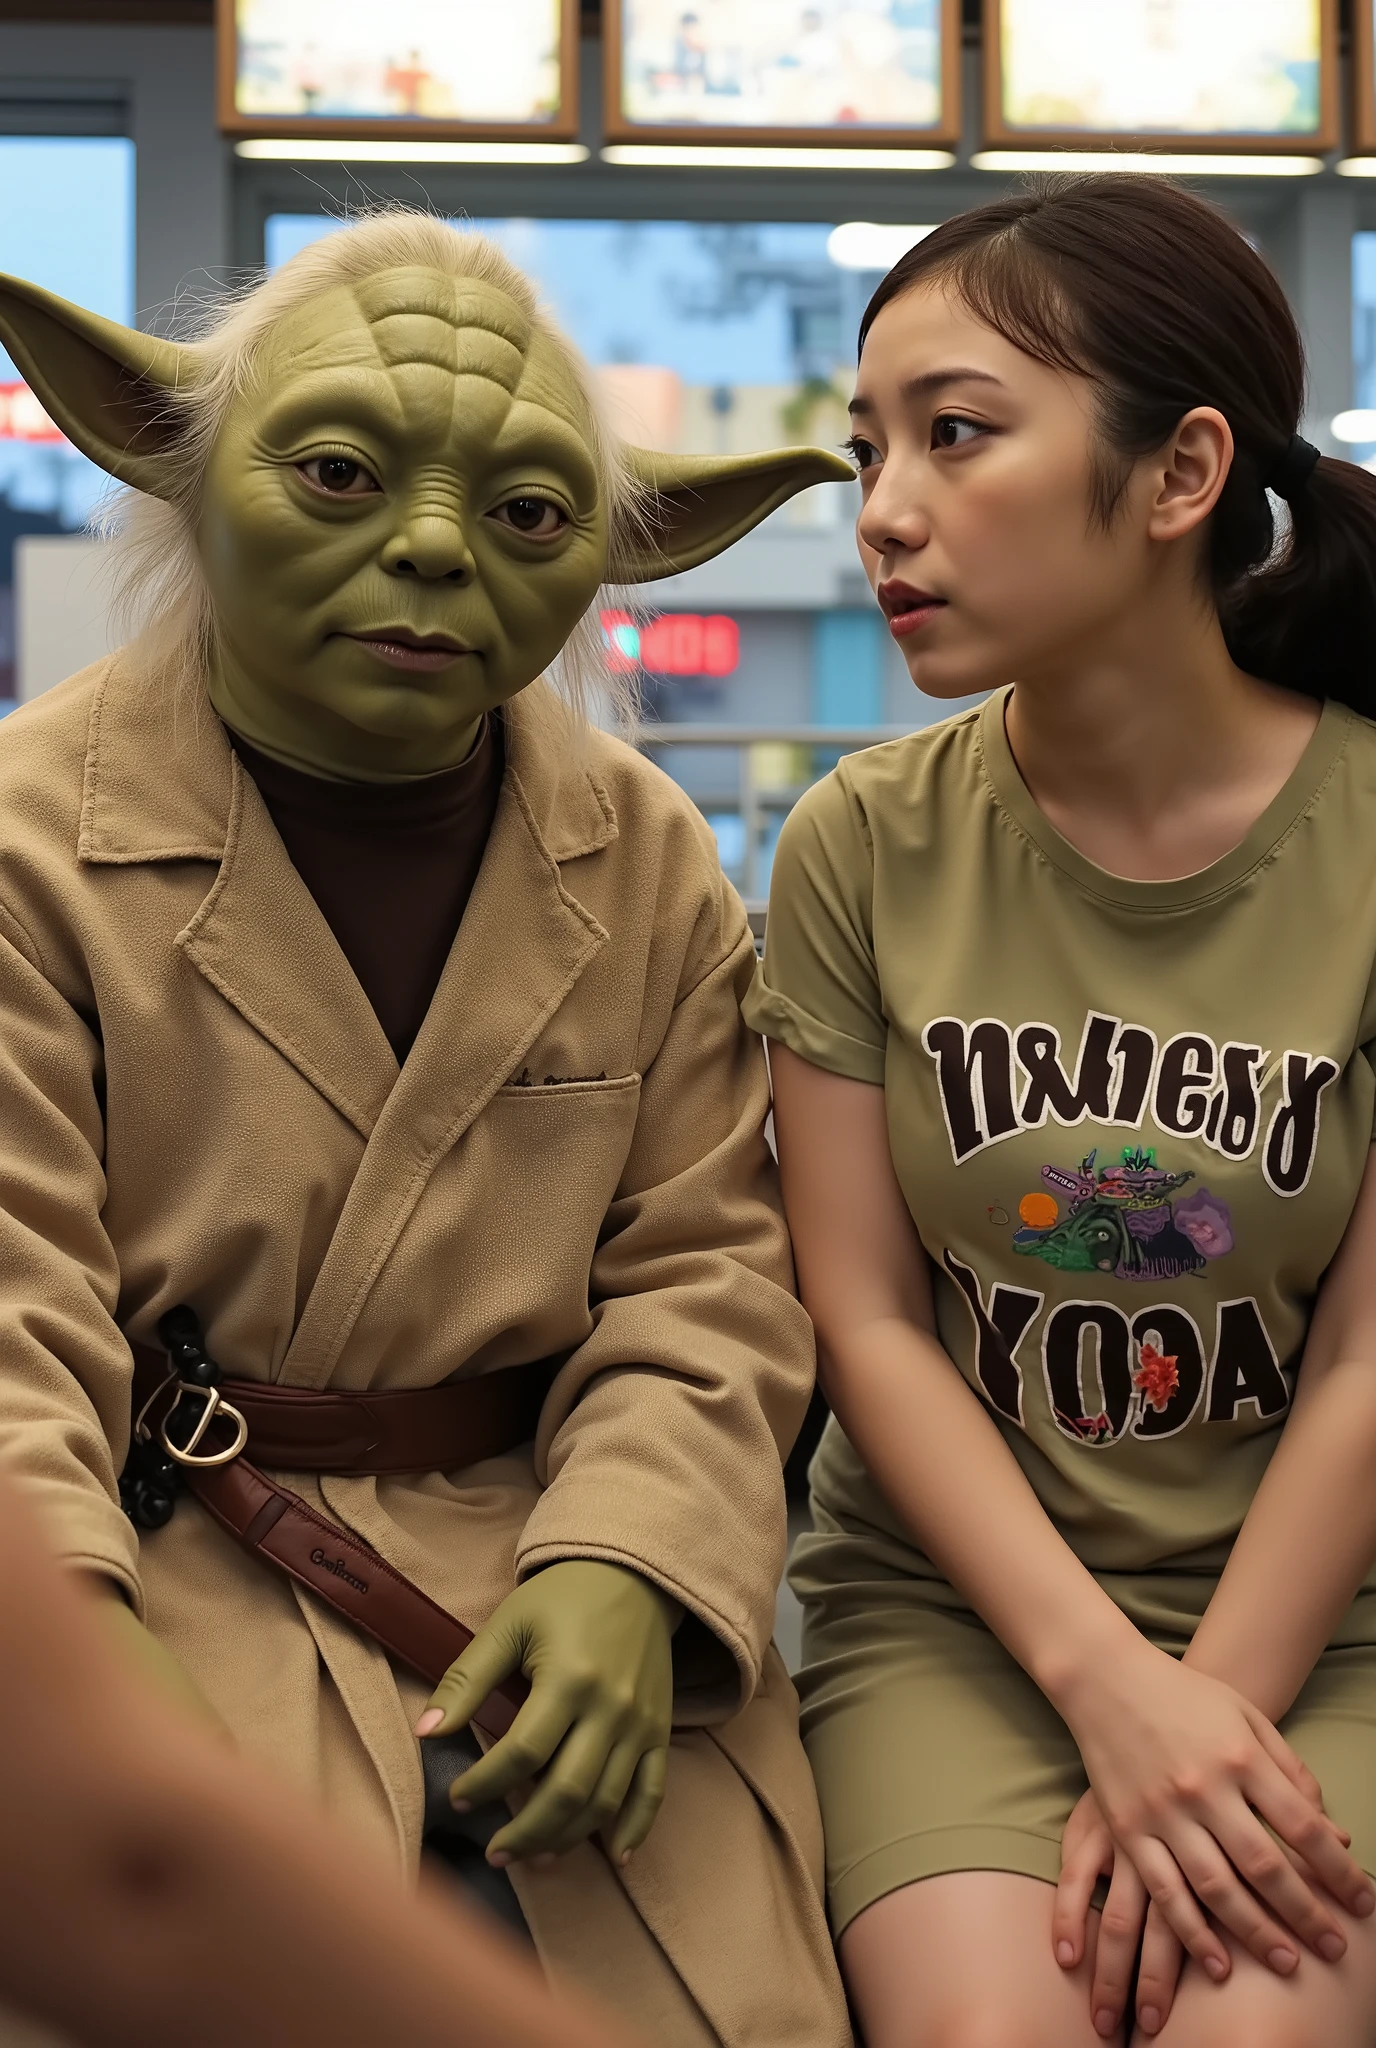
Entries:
{"x":1129,"y":1118}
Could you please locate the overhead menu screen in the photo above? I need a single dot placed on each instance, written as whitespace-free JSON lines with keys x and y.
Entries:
{"x":1214,"y":70}
{"x":1364,"y":69}
{"x":777,"y":68}
{"x":401,"y":66}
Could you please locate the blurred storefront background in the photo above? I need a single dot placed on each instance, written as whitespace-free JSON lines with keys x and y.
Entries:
{"x":66,"y":222}
{"x":716,"y":291}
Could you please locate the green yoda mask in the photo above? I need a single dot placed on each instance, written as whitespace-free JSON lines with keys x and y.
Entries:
{"x":401,"y":518}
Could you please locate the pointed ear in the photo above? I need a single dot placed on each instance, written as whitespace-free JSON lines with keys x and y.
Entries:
{"x":699,"y":504}
{"x":104,"y":385}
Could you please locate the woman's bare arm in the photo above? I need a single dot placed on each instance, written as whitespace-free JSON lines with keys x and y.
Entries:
{"x":1309,"y":1538}
{"x":931,"y":1445}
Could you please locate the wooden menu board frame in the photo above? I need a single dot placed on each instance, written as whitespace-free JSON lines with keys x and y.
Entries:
{"x":998,"y":135}
{"x":1363,"y":78}
{"x":563,"y":127}
{"x":943,"y":134}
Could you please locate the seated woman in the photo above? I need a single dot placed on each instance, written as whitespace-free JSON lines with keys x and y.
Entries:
{"x":1074,"y":1007}
{"x":371,"y":1063}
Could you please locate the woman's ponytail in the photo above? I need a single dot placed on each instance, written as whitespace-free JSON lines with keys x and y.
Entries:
{"x":1307,"y":618}
{"x":1155,"y":296}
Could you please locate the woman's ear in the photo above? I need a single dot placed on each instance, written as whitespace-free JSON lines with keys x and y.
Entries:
{"x":1199,"y":456}
{"x":697,"y":505}
{"x":104,"y":385}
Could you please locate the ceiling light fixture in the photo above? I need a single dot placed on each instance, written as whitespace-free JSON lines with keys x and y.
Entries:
{"x":731,"y":157}
{"x":1357,"y":425}
{"x":871,"y":244}
{"x":343,"y":149}
{"x":1176,"y":166}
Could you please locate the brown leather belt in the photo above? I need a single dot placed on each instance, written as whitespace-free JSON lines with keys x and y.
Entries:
{"x":433,"y":1429}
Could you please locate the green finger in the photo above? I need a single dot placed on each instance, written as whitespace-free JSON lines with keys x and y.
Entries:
{"x":636,"y":1817}
{"x":525,"y":1749}
{"x":605,"y":1801}
{"x":560,"y":1807}
{"x":488,"y":1659}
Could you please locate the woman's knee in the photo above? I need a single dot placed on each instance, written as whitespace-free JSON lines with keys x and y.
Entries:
{"x":977,"y":2023}
{"x":1262,"y":2014}
{"x":996,"y":2027}
{"x":964,"y":1961}
{"x":1228,"y":2029}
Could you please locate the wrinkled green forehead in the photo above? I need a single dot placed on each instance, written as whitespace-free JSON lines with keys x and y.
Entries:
{"x":407,"y":320}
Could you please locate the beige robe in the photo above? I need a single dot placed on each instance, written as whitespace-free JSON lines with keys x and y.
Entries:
{"x":198,"y":1104}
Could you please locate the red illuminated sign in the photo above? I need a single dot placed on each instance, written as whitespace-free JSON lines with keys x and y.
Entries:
{"x":22,"y":418}
{"x":675,"y":644}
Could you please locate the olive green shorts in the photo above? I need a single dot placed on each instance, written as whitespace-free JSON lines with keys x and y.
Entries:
{"x":934,"y":1751}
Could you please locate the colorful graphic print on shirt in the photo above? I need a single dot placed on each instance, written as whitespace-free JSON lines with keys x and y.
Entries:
{"x":1110,"y":1373}
{"x":1121,"y":1219}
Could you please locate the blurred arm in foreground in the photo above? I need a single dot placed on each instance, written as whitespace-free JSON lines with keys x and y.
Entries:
{"x":156,"y":1888}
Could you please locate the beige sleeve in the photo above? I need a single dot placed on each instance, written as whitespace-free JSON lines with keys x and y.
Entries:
{"x":817,"y":991}
{"x":662,"y":1441}
{"x":65,"y":1370}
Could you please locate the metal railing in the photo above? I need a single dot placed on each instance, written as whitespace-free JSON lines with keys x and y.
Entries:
{"x":767,"y":781}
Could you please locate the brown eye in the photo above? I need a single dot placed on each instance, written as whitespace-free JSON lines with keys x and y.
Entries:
{"x":949,"y":430}
{"x":340,"y":475}
{"x":532,"y":518}
{"x":863,"y":453}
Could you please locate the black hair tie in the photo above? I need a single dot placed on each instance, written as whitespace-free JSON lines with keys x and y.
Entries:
{"x":1292,"y":468}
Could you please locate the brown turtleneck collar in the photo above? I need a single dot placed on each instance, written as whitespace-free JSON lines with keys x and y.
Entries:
{"x":391,"y":866}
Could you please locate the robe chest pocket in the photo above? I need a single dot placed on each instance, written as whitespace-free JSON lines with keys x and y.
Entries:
{"x":594,"y":1114}
{"x":573,"y":1139}
{"x":550,"y":1089}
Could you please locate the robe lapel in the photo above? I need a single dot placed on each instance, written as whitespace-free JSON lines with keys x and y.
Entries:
{"x":161,"y":783}
{"x":523,"y":943}
{"x":261,"y":940}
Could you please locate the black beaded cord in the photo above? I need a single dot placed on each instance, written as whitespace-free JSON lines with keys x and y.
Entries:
{"x":149,"y":1483}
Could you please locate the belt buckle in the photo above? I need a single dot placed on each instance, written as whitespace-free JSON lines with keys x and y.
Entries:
{"x":193,"y":1372}
{"x":190,"y":1453}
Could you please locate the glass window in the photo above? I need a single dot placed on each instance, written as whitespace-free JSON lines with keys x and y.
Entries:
{"x":67,"y":224}
{"x":720,"y":307}
{"x":1363,"y":337}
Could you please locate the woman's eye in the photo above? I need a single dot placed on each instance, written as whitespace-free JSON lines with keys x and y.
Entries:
{"x":340,"y":475}
{"x":863,"y":454}
{"x":532,"y":518}
{"x":949,"y":430}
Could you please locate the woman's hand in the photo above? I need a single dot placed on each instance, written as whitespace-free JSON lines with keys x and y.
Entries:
{"x":595,"y":1642}
{"x":1185,"y":1772}
{"x":1130,"y":1923}
{"x":1132,"y":1928}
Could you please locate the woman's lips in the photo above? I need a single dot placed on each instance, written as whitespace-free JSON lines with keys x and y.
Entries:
{"x":906,"y":608}
{"x":399,"y":651}
{"x":905,"y":622}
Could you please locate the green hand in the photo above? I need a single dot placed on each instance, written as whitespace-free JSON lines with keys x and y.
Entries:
{"x":594,"y":1641}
